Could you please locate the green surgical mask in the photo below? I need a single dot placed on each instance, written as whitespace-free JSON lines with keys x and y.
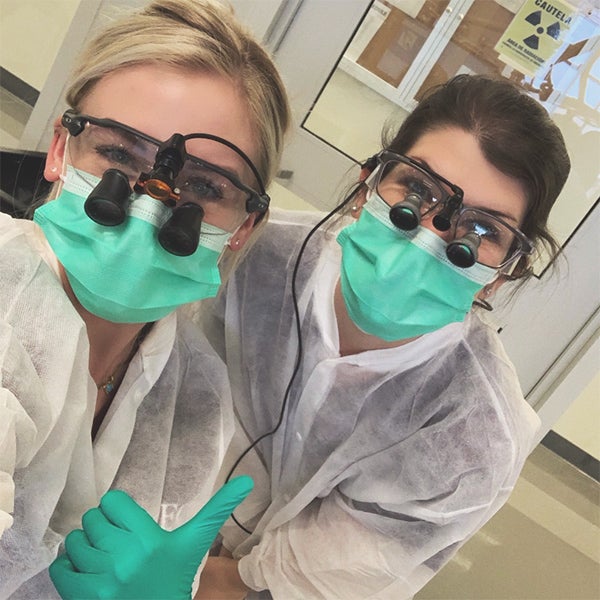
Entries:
{"x":400,"y":284}
{"x":121,"y":273}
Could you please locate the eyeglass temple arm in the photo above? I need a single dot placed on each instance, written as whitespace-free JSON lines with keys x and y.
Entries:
{"x":370,"y":163}
{"x":73,"y":122}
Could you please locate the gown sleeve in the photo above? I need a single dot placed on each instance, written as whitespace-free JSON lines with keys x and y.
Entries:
{"x":43,"y":407}
{"x":20,"y":435}
{"x":325,"y":553}
{"x":355,"y":545}
{"x":8,"y":450}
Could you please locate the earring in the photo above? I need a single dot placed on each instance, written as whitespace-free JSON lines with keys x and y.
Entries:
{"x":236,"y":243}
{"x":481,"y":301}
{"x":53,"y":170}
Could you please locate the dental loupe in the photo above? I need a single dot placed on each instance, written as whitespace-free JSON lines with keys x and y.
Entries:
{"x":463,"y":252}
{"x":107,"y":204}
{"x":108,"y":201}
{"x":406,"y":215}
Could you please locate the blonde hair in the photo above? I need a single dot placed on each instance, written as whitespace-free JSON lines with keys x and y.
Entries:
{"x":198,"y":35}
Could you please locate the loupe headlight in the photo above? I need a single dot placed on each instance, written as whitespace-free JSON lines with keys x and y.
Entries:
{"x":159,"y":183}
{"x":442,"y":221}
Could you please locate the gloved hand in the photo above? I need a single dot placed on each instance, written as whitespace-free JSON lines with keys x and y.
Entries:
{"x":123,"y":553}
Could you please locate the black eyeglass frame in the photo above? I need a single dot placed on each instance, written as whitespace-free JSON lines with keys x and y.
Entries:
{"x":456,"y":198}
{"x":257,"y":201}
{"x":386,"y":156}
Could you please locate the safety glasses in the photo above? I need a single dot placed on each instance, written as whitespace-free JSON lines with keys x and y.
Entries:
{"x":415,"y":192}
{"x":165,"y":170}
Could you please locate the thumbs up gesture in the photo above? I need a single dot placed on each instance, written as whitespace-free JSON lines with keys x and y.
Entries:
{"x":123,"y":553}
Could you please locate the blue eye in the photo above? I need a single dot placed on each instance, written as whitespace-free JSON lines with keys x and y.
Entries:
{"x":117,"y":155}
{"x":486,"y":230}
{"x":202,"y":188}
{"x":418,"y":187}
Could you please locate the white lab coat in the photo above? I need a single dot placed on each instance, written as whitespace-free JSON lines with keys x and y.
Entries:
{"x":162,"y":440}
{"x":386,"y":461}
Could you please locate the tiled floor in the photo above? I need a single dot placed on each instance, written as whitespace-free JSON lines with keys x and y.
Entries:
{"x":543,"y":544}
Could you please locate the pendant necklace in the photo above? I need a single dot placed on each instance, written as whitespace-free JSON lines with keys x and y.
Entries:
{"x":109,"y":384}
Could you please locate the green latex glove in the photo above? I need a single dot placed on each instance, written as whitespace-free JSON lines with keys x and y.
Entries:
{"x":122,"y":553}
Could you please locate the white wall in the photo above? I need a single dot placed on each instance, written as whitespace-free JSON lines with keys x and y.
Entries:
{"x":31,"y":32}
{"x":580,"y":423}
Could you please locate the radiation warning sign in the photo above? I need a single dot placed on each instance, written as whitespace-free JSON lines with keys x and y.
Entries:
{"x":534,"y":34}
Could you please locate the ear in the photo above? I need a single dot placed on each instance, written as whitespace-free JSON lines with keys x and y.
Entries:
{"x":241,"y":236}
{"x":361,"y":196}
{"x":56,"y":153}
{"x":491,"y":288}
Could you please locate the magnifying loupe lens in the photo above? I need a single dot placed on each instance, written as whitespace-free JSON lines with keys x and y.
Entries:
{"x":180,"y":234}
{"x":108,"y":201}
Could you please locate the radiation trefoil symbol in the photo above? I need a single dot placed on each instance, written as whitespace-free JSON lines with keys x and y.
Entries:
{"x":535,"y":19}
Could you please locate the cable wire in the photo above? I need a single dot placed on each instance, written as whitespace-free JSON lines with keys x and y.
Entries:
{"x":298,"y":360}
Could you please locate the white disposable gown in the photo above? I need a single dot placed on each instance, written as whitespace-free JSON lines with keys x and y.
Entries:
{"x":162,"y":440}
{"x":386,"y":461}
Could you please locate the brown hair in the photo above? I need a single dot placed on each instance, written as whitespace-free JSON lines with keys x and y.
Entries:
{"x":515,"y":134}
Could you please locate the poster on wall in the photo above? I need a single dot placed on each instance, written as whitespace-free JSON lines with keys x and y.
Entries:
{"x":534,"y":35}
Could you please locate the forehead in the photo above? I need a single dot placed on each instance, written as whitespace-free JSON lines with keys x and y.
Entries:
{"x":159,"y":100}
{"x":456,"y":155}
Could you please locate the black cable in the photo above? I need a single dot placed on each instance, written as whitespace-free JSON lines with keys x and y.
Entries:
{"x":328,"y":216}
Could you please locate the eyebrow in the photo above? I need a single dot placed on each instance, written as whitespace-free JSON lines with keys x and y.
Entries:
{"x":496,"y":213}
{"x":132,"y":135}
{"x":421,"y":163}
{"x":227,"y":171}
{"x":119,"y":134}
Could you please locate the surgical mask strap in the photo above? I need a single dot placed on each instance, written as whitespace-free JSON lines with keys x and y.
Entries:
{"x":63,"y":170}
{"x":370,"y":179}
{"x":228,"y":243}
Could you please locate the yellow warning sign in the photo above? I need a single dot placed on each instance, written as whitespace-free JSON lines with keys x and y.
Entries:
{"x":534,"y":34}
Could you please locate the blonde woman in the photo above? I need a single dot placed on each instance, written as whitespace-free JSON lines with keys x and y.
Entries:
{"x":175,"y":128}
